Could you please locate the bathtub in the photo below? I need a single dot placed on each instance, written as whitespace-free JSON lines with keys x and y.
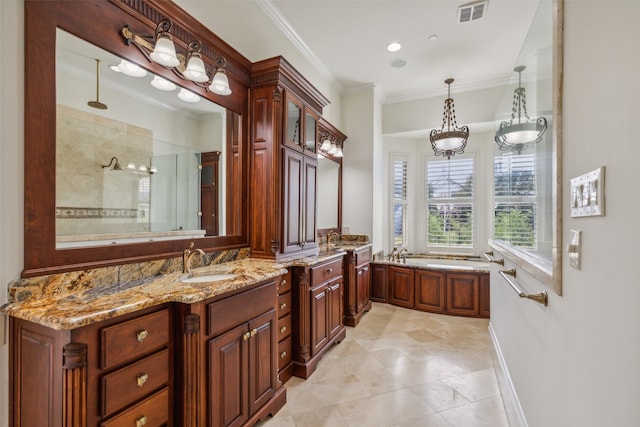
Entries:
{"x":443,"y":263}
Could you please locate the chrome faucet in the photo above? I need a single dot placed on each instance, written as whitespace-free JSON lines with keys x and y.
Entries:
{"x":187,"y":254}
{"x":399,"y":255}
{"x":329,"y":236}
{"x":392,"y":254}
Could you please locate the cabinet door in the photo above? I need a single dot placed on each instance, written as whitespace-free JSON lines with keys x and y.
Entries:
{"x":401,"y":290}
{"x":209,"y":173}
{"x":379,"y":283}
{"x":293,"y":123}
{"x":485,"y":297}
{"x":228,"y":367}
{"x":309,"y":203}
{"x":263,"y":368}
{"x":293,"y":184}
{"x":319,"y":321}
{"x":334,"y":308}
{"x":430,"y":291}
{"x":362,"y":287}
{"x":462,"y":294}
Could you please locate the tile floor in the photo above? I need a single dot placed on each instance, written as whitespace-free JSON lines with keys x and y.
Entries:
{"x":400,"y":368}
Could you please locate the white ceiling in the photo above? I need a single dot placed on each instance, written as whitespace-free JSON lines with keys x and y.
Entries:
{"x":345,"y":40}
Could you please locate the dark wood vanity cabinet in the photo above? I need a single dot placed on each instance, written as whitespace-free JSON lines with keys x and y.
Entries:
{"x":435,"y":291}
{"x":299,"y":190}
{"x":357,"y":284}
{"x":112,"y":373}
{"x":285,"y":109}
{"x":317,"y":313}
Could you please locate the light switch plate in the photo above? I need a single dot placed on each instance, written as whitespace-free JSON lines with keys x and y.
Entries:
{"x":575,"y":248}
{"x":346,"y":229}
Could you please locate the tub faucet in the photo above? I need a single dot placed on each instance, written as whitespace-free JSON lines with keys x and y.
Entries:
{"x":187,"y":254}
{"x":400,"y":252}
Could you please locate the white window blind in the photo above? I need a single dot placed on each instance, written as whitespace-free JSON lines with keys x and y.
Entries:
{"x":515,"y":192}
{"x":399,"y":208}
{"x":450,"y":202}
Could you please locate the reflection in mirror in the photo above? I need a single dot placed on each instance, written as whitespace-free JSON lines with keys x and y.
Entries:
{"x":328,"y":192}
{"x":133,"y":171}
{"x":526,"y":175}
{"x":293,"y":122}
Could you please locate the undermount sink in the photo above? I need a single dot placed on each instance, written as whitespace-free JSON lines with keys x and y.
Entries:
{"x":207,"y":278}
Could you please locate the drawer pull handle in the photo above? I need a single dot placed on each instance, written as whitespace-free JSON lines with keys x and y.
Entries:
{"x":141,"y":421}
{"x":283,"y":306}
{"x":283,"y":329}
{"x":283,"y":282}
{"x":141,"y":335}
{"x":254,"y":332}
{"x":246,"y":336}
{"x":283,"y":355}
{"x":141,"y":379}
{"x":329,"y":270}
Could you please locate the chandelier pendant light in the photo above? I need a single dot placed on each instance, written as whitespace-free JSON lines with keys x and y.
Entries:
{"x":452,"y":140}
{"x":520,"y":131}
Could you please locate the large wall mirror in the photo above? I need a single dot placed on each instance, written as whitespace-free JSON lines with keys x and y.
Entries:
{"x":527,"y":176}
{"x":118,"y":170}
{"x":329,"y":178}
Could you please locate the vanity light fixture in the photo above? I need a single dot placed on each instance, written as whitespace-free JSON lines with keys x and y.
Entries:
{"x":520,"y":131}
{"x":188,"y":96}
{"x":161,"y":49}
{"x":142,"y":169}
{"x":452,"y":140}
{"x":330,"y":146}
{"x":128,"y":68}
{"x":326,"y":143}
{"x":163,"y":84}
{"x":114,"y":164}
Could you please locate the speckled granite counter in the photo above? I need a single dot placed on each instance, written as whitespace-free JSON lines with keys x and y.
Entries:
{"x":71,"y":300}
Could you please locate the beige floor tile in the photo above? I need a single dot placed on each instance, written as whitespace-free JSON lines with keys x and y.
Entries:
{"x":384,"y":409}
{"x":400,"y":368}
{"x":484,"y":413}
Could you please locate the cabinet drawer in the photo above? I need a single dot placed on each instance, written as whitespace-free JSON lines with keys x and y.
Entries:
{"x":324,"y":272}
{"x":362,"y":257}
{"x":284,"y":327}
{"x":285,"y":284}
{"x":230,"y":312}
{"x":284,"y":352}
{"x":133,"y":382}
{"x":134,"y":338}
{"x":153,"y":411}
{"x":284,"y":304}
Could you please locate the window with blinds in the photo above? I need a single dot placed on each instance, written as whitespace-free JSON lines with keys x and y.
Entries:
{"x":450,"y":202}
{"x":514,"y":216}
{"x":399,"y":208}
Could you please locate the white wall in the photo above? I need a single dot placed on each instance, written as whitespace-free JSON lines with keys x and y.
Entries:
{"x":11,"y":166}
{"x":576,"y":363}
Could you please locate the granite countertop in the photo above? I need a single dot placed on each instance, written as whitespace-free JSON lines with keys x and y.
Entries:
{"x":64,"y":306}
{"x":69,"y":310}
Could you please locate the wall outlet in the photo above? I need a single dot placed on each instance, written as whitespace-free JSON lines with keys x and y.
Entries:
{"x":346,"y":229}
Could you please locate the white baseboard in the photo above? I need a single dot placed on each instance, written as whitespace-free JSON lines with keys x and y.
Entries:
{"x":515,"y":410}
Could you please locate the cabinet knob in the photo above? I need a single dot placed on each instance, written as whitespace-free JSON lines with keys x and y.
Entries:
{"x":141,"y":379}
{"x":329,"y":270}
{"x":246,"y":336}
{"x":141,"y":335}
{"x":283,"y":355}
{"x":283,"y":306}
{"x":283,"y":283}
{"x":360,"y":273}
{"x":253,"y":332}
{"x":283,"y":329}
{"x":141,"y":421}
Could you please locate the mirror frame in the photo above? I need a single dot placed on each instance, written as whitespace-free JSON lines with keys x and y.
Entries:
{"x":325,"y":126}
{"x":41,"y":20}
{"x":548,"y":272}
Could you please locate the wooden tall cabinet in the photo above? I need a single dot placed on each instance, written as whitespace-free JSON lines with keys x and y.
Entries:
{"x":285,"y":109}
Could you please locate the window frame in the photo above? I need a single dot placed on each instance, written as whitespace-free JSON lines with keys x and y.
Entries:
{"x":393,"y":157}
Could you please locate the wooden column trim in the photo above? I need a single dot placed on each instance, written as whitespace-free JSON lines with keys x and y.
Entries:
{"x":190,"y":365}
{"x":304,"y":309}
{"x":74,"y":385}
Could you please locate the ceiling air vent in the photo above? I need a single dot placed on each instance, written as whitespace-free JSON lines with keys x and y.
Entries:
{"x":472,"y":11}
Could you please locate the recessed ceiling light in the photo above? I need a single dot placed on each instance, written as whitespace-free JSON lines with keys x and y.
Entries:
{"x":394,"y":47}
{"x":399,"y":63}
{"x":433,"y":37}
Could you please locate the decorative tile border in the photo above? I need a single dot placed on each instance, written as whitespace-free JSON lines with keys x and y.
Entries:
{"x":70,"y":212}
